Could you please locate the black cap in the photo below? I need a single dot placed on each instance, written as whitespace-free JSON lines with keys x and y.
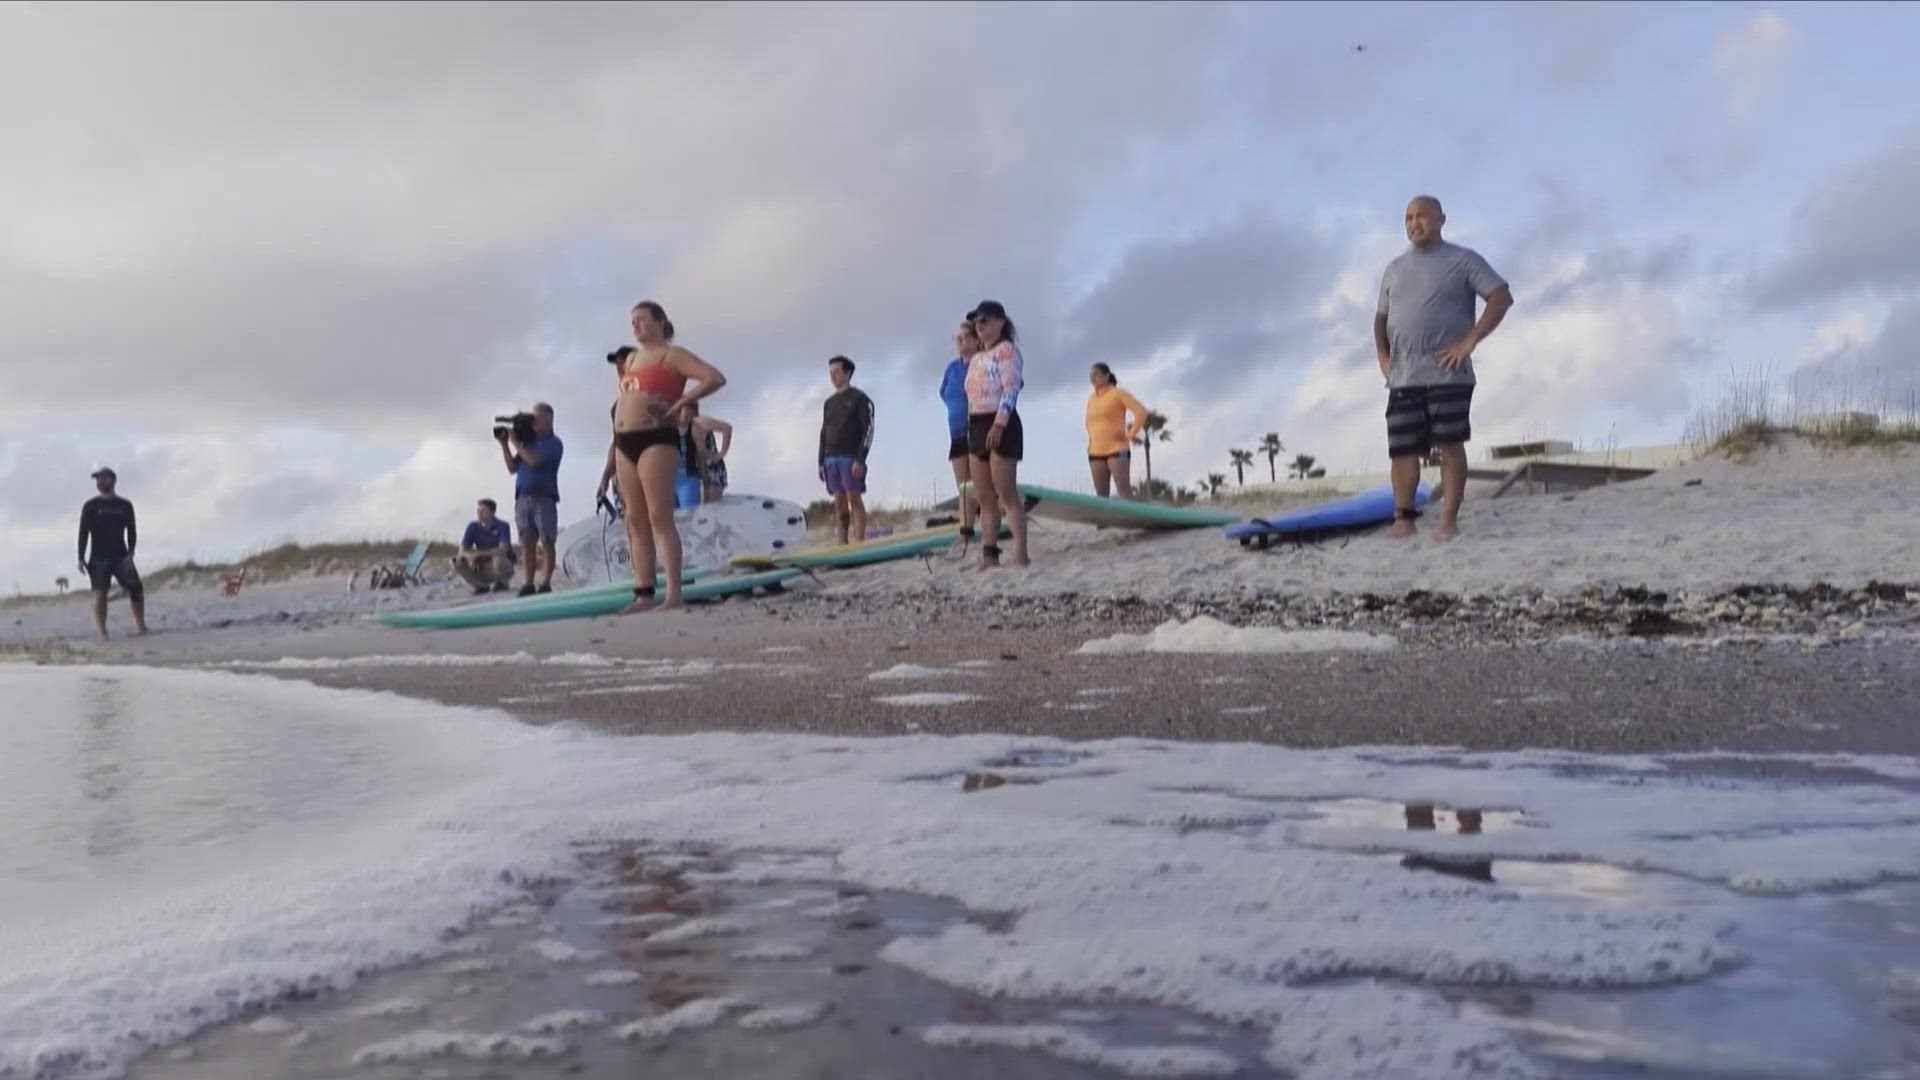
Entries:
{"x":104,"y":471}
{"x":987,"y":307}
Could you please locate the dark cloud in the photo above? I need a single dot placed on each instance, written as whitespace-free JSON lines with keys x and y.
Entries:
{"x":397,"y":213}
{"x":1858,"y":232}
{"x":1879,"y":375}
{"x":1235,"y":294}
{"x":1606,"y":269}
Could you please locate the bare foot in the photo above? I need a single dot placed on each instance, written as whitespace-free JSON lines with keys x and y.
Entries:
{"x":139,"y":631}
{"x":671,"y":604}
{"x":1400,"y":530}
{"x":1022,"y":562}
{"x":1445,"y":530}
{"x":640,"y":604}
{"x":989,"y":564}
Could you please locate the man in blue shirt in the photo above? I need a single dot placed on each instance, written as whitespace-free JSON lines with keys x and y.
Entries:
{"x":485,"y":558}
{"x":953,"y":394}
{"x":536,"y":496}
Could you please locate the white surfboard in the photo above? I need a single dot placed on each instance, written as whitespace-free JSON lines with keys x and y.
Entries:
{"x":594,"y":551}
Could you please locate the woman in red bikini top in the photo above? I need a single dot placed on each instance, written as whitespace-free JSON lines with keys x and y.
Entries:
{"x":645,"y":454}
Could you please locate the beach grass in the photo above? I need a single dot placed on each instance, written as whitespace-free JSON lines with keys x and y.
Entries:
{"x":1755,"y":412}
{"x":282,"y":563}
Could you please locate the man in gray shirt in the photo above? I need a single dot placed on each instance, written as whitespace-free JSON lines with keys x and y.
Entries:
{"x":1424,"y":334}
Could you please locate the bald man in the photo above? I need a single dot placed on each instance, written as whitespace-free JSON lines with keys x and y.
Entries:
{"x":1424,"y":334}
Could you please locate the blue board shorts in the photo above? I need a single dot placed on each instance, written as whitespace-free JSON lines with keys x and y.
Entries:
{"x":537,"y":519}
{"x":840,"y":476}
{"x":1422,"y":417}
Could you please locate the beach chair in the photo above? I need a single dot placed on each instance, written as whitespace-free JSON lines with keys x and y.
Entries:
{"x":395,"y":576}
{"x":230,"y":585}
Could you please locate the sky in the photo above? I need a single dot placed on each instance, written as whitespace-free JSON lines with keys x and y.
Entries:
{"x":279,"y":265}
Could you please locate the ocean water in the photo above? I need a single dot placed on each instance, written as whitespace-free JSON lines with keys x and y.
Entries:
{"x":185,"y":847}
{"x":181,"y":844}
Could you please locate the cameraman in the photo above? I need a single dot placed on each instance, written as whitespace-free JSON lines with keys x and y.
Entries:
{"x":532,"y":454}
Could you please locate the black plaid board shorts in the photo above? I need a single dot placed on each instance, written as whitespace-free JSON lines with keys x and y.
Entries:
{"x":1421,"y":417}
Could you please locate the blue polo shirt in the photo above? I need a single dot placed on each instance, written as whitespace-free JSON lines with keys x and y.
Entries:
{"x":482,"y":538}
{"x":541,"y":481}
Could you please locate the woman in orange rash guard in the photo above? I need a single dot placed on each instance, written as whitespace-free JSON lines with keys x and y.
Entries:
{"x":1109,"y":434}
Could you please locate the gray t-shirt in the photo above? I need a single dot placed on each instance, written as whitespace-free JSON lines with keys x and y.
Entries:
{"x":1427,"y":297}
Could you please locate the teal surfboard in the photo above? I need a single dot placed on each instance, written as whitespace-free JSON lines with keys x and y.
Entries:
{"x":1057,"y":505}
{"x":883,"y":549}
{"x":578,"y":604}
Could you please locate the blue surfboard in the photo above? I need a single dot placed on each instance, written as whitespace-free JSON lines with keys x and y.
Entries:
{"x":1365,"y":510}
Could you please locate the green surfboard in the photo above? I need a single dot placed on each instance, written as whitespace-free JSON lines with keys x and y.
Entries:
{"x":578,"y":604}
{"x":1084,"y":509}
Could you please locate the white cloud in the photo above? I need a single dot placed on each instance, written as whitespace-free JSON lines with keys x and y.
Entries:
{"x":1752,"y":59}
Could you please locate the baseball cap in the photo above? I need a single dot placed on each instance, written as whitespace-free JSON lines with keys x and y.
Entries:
{"x":104,"y":471}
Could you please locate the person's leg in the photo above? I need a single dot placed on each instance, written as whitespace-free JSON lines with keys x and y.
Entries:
{"x":857,"y":506}
{"x":659,"y":469}
{"x":1102,"y":476}
{"x":1006,"y":484}
{"x":499,"y":570}
{"x":842,"y":513}
{"x":1406,"y":479}
{"x":523,"y":525}
{"x":1122,"y":467}
{"x":547,"y":513}
{"x":989,"y":512}
{"x":476,"y":571}
{"x":100,"y":613}
{"x":136,"y":595}
{"x":1449,"y":408}
{"x":1453,"y":484}
{"x":1408,"y":440}
{"x":626,"y":475}
{"x":969,"y":505}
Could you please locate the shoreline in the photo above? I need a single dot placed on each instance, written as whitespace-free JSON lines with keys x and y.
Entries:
{"x":830,"y":664}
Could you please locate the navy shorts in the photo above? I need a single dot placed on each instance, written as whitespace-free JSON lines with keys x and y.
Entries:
{"x":102,"y":573}
{"x":840,"y":477}
{"x":1422,"y":417}
{"x":956,"y":448}
{"x":537,"y":519}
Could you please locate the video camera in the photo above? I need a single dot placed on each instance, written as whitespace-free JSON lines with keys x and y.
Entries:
{"x":519,"y":425}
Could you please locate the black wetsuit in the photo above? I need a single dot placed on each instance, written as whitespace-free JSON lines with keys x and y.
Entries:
{"x":107,"y":520}
{"x":846,"y":426}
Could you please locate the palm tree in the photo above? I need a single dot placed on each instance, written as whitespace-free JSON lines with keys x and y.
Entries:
{"x":1270,"y":446}
{"x":1153,"y":429}
{"x":1215,"y":481}
{"x":1302,"y":465}
{"x":1241,"y":459}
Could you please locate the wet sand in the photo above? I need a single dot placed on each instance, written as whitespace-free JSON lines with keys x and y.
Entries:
{"x":812,"y":947}
{"x":787,"y":667}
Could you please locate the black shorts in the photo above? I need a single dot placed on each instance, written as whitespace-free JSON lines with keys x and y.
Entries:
{"x":102,"y":573}
{"x":1012,"y":444}
{"x":1422,"y":417}
{"x":632,"y":444}
{"x":957,"y":448}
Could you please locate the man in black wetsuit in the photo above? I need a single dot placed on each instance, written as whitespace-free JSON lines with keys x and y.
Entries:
{"x":846,"y":434}
{"x":108,"y":520}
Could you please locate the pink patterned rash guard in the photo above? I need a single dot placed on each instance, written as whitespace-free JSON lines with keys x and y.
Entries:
{"x":994,"y":379}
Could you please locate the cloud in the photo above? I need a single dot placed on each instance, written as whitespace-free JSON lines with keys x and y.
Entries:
{"x":328,"y":213}
{"x":1856,"y":232}
{"x":1231,"y":296}
{"x":1580,"y":44}
{"x":1874,"y":371}
{"x":1751,"y":60}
